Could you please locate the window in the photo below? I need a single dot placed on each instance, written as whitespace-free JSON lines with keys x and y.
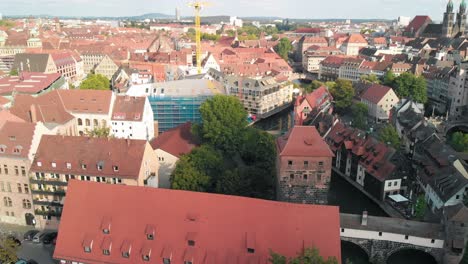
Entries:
{"x":166,"y":261}
{"x":432,"y":241}
{"x":2,"y":186}
{"x":12,"y":213}
{"x":290,"y":163}
{"x":320,"y":163}
{"x":146,"y":258}
{"x":87,"y":122}
{"x":389,"y":184}
{"x":305,"y":176}
{"x":342,"y":230}
{"x":20,"y":190}
{"x":191,"y":243}
{"x":26,"y":204}
{"x":39,"y":164}
{"x":5,"y":169}
{"x":457,"y":197}
{"x":395,"y":183}
{"x":7,"y":213}
{"x":95,"y":122}
{"x":99,"y":167}
{"x":406,"y":237}
{"x":83,"y":166}
{"x":87,"y":249}
{"x":8,"y":187}
{"x":68,"y":165}
{"x":126,"y":254}
{"x":306,"y":164}
{"x":380,"y":233}
{"x":80,"y":122}
{"x":106,"y":252}
{"x":251,"y":250}
{"x":7,"y":202}
{"x":116,"y":168}
{"x":16,"y":171}
{"x":54,"y":165}
{"x":291,"y":176}
{"x":150,"y":236}
{"x":319,"y":177}
{"x":23,"y":171}
{"x":26,"y":188}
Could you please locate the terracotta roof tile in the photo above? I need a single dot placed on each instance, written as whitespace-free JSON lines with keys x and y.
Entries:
{"x":177,"y":141}
{"x":375,"y":93}
{"x":303,"y":141}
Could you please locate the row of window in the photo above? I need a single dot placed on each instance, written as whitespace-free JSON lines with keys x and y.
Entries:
{"x":7,"y":202}
{"x":95,"y":122}
{"x":304,"y":177}
{"x":99,"y":166}
{"x":16,"y":170}
{"x":306,"y":163}
{"x":22,"y":188}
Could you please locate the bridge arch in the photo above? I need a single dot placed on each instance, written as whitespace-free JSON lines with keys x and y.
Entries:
{"x":365,"y":247}
{"x":397,"y":250}
{"x":462,"y":126}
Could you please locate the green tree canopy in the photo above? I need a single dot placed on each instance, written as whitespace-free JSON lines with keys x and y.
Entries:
{"x":8,"y":249}
{"x":372,"y":78}
{"x":411,"y":86}
{"x":360,"y":111}
{"x":459,"y":141}
{"x":389,"y":134}
{"x":389,"y":79}
{"x":343,"y":93}
{"x":98,"y":132}
{"x":95,"y":82}
{"x":310,"y":256}
{"x":283,"y":48}
{"x":224,"y":119}
{"x":420,"y":207}
{"x":14,"y":72}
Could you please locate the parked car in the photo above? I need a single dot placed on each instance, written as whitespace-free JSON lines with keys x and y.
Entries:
{"x":14,"y":239}
{"x":38,"y":237}
{"x":49,"y":237}
{"x":30,"y":234}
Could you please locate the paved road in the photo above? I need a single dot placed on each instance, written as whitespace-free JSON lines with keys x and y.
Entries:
{"x":41,"y":253}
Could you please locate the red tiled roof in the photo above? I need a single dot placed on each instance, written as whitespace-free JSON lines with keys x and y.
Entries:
{"x":125,"y":153}
{"x":128,"y":108}
{"x":356,"y":38}
{"x":177,"y":141}
{"x":16,"y":135}
{"x":303,"y":141}
{"x":417,"y":23}
{"x":28,"y":83}
{"x":86,"y":101}
{"x":7,"y":116}
{"x":223,"y":228}
{"x":375,"y":93}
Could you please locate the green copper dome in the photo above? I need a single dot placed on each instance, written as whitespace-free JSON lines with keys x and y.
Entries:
{"x":450,"y":6}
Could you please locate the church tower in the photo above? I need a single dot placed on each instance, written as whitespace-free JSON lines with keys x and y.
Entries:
{"x":449,"y":19}
{"x":461,"y":19}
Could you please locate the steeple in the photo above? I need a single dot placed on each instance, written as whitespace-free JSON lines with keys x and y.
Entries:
{"x":463,"y":7}
{"x":450,"y":6}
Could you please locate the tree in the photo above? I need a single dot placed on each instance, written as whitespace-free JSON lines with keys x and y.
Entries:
{"x":98,"y":132}
{"x":313,"y":86}
{"x":420,"y":208}
{"x":360,"y":112}
{"x":8,"y":249}
{"x":389,"y":135}
{"x":343,"y":93}
{"x":310,"y":256}
{"x":389,"y":79}
{"x":187,"y":177}
{"x":283,"y":48}
{"x":95,"y":82}
{"x":14,"y":72}
{"x":411,"y":86}
{"x":223,"y":120}
{"x":232,"y":182}
{"x":459,"y":141}
{"x":372,"y":78}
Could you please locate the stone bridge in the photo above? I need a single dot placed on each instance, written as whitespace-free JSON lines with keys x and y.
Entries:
{"x":380,"y":237}
{"x":462,"y":125}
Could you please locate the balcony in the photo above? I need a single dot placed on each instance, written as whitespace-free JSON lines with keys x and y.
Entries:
{"x":47,"y":213}
{"x":48,"y":191}
{"x":47,"y":203}
{"x":45,"y":181}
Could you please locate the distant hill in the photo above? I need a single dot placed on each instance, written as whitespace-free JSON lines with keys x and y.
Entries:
{"x":151,"y":16}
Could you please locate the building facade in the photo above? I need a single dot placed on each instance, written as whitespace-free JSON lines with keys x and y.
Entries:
{"x":303,"y":166}
{"x":379,"y":100}
{"x":60,"y":159}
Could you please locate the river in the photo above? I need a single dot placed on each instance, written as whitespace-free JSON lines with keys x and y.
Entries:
{"x":351,"y":201}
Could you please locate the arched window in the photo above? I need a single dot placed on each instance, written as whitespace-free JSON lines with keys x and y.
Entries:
{"x":103,"y":123}
{"x":80,"y":122}
{"x":96,"y":123}
{"x":88,"y":123}
{"x":26,"y":204}
{"x":7,"y":202}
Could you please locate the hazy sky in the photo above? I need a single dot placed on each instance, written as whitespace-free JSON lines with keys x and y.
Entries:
{"x":283,"y":8}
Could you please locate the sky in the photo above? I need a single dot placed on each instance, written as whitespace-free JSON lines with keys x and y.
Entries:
{"x":311,"y":9}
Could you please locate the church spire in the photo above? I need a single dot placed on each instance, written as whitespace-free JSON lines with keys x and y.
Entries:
{"x":450,"y":6}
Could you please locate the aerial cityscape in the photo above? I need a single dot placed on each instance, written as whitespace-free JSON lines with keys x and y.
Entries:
{"x":187,"y":132}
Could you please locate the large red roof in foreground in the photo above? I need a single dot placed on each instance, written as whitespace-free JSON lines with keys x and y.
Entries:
{"x":223,"y":227}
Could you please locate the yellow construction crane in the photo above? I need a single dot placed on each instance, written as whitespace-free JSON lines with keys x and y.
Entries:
{"x":198,"y":5}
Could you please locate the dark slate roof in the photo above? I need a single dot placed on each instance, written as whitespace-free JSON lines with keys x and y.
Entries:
{"x":31,"y":62}
{"x":433,"y":29}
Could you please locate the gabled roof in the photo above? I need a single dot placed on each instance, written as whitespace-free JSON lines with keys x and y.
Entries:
{"x":127,"y":108}
{"x":177,"y":141}
{"x":223,"y":228}
{"x":86,"y":101}
{"x":376,"y":93}
{"x":417,"y":23}
{"x":6,"y":116}
{"x":126,"y":154}
{"x":356,"y":38}
{"x":31,"y":62}
{"x":28,"y":83}
{"x":16,"y":139}
{"x":303,"y":141}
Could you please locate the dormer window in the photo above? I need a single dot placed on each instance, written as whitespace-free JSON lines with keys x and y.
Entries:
{"x":68,"y":165}
{"x":39,"y":164}
{"x":106,"y":246}
{"x":150,"y":232}
{"x":137,"y":116}
{"x":54,"y":165}
{"x":146,"y":253}
{"x":166,"y":261}
{"x":2,"y":148}
{"x":116,"y":168}
{"x":106,"y":252}
{"x":17,"y":149}
{"x":83,"y":166}
{"x":88,"y":245}
{"x":126,"y":249}
{"x":87,"y":249}
{"x":99,"y":167}
{"x":12,"y":138}
{"x":106,"y":225}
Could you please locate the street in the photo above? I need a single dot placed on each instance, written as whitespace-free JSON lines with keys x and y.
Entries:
{"x":41,"y":253}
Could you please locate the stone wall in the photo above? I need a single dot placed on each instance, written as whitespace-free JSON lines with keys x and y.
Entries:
{"x":302,"y":194}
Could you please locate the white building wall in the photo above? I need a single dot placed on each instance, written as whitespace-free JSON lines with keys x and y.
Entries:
{"x":141,"y":130}
{"x":398,"y":238}
{"x":392,"y":185}
{"x":361,"y":175}
{"x":167,"y":164}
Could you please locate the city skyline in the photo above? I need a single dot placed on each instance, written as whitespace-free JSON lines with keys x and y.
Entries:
{"x":385,"y":9}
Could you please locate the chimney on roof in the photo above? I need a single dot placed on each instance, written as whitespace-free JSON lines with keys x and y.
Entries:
{"x":364,"y":218}
{"x":33,"y":113}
